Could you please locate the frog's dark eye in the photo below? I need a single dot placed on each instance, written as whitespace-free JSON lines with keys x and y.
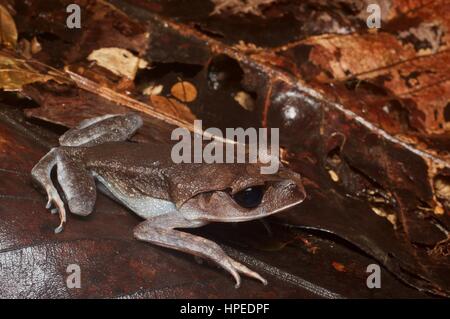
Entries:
{"x":249,"y":197}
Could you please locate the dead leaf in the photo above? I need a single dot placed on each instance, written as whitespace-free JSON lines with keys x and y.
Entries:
{"x":119,"y":61}
{"x":15,"y":73}
{"x":35,"y":46}
{"x":334,"y":177}
{"x":338,"y":266}
{"x":172,"y":107}
{"x":442,"y":187}
{"x":184,"y":91}
{"x":380,"y":211}
{"x":237,"y":7}
{"x":8,"y":30}
{"x":153,"y":89}
{"x":245,"y":100}
{"x":161,"y":108}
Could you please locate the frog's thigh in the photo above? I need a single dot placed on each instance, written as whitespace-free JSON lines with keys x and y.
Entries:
{"x":159,"y":230}
{"x":102,"y":129}
{"x":77,"y":184}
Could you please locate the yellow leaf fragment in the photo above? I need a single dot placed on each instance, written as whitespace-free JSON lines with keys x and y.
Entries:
{"x":391,"y":217}
{"x":439,"y":210}
{"x":35,"y":46}
{"x":334,"y":176}
{"x":119,"y":61}
{"x":153,"y":89}
{"x":245,"y":100}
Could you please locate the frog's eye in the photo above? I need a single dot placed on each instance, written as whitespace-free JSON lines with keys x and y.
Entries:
{"x":249,"y":197}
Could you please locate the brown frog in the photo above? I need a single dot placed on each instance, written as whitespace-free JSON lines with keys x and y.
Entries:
{"x":168,"y":196}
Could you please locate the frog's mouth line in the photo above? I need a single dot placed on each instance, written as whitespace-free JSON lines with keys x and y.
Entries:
{"x":247,"y":218}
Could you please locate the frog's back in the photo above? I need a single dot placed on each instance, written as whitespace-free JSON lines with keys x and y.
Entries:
{"x":133,"y":169}
{"x":146,"y":169}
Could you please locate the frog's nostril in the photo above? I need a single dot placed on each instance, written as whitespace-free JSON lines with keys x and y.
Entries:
{"x":294,"y":178}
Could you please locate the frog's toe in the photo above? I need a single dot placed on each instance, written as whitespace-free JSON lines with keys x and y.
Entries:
{"x":228,"y":264}
{"x":62,"y":217}
{"x":248,"y":272}
{"x":238,"y":282}
{"x":60,"y":228}
{"x":54,"y":199}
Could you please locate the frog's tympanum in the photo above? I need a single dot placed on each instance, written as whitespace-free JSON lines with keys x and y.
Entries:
{"x":168,"y":196}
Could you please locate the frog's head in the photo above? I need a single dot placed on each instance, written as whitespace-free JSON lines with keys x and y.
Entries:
{"x":249,"y":195}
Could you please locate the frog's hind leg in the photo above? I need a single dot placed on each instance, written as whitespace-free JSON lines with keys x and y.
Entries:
{"x":160,"y":230}
{"x":41,"y":174}
{"x":76,"y":183}
{"x":102,"y":129}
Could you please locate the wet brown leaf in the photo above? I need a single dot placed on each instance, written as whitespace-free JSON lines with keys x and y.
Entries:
{"x":172,"y":107}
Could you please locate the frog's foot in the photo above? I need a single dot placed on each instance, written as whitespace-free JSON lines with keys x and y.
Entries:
{"x":41,"y":174}
{"x":160,"y":230}
{"x":246,"y":271}
{"x":56,"y":205}
{"x":76,"y":183}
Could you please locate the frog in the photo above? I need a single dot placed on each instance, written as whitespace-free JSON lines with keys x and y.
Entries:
{"x":99,"y":154}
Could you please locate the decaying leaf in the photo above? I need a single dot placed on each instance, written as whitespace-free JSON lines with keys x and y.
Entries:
{"x":334,"y":177}
{"x":184,"y":91}
{"x":35,"y":46}
{"x":15,"y":73}
{"x":380,"y":211}
{"x":240,"y":6}
{"x":28,"y":48}
{"x":153,"y":89}
{"x":442,"y":187}
{"x":245,"y":100}
{"x":8,"y":30}
{"x":161,"y":108}
{"x":119,"y":61}
{"x":172,"y":107}
{"x":338,"y":266}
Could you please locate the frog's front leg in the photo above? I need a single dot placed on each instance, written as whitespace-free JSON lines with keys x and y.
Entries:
{"x":77,"y":184}
{"x":160,"y":230}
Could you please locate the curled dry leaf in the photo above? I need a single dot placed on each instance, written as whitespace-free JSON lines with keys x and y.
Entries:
{"x":172,"y":107}
{"x":8,"y":30}
{"x":184,"y":91}
{"x":119,"y":61}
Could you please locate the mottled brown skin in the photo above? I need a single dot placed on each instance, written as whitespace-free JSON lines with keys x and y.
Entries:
{"x":167,"y":195}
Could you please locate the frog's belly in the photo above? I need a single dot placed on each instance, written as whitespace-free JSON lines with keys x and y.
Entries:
{"x":144,"y":206}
